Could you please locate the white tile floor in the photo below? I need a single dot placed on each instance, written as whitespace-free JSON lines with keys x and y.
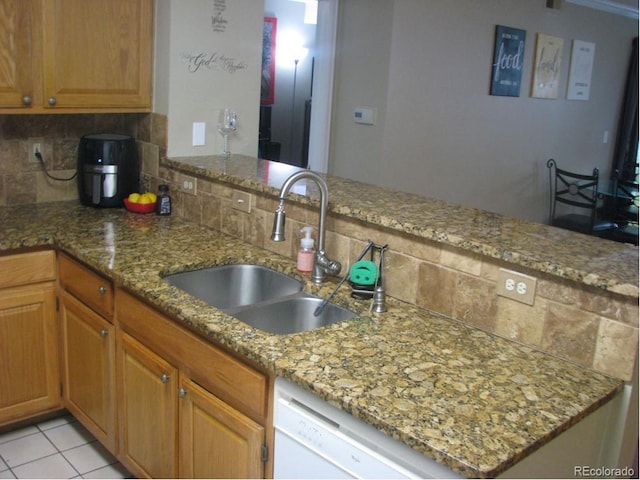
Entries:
{"x":58,"y":448}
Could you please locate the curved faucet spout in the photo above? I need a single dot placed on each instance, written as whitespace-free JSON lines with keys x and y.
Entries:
{"x":322,"y":264}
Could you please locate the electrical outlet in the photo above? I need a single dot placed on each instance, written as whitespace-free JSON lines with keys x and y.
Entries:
{"x":188,"y":184}
{"x":36,"y":144}
{"x":516,"y":286}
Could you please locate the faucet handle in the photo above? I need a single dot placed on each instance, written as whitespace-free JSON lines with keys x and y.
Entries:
{"x":332,"y":267}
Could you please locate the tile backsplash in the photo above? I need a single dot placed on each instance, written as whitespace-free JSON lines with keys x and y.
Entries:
{"x":591,"y":327}
{"x":22,"y":178}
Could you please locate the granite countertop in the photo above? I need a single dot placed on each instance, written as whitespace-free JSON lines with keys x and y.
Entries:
{"x":475,"y":402}
{"x":555,"y":251}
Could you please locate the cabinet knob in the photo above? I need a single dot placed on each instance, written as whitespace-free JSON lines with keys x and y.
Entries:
{"x":182,"y":393}
{"x":164,"y":378}
{"x":102,"y":290}
{"x":27,"y":100}
{"x":103,"y":333}
{"x":52,"y":101}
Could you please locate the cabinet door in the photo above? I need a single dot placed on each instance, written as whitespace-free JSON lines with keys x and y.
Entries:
{"x":88,"y":355}
{"x":217,"y":441}
{"x":97,"y":53}
{"x":16,"y":49}
{"x":29,"y":378}
{"x":148,"y":392}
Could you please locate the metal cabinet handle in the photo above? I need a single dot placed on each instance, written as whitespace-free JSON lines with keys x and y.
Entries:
{"x":164,"y":378}
{"x":27,"y":100}
{"x":182,"y":393}
{"x":52,"y":101}
{"x":102,"y":290}
{"x":103,"y":333}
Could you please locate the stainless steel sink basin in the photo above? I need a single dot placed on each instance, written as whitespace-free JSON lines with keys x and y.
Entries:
{"x":292,"y":315}
{"x":260,"y":297}
{"x":230,"y":286}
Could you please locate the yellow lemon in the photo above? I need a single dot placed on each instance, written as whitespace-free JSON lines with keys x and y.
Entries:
{"x":152,"y":196}
{"x":145,"y":199}
{"x":134,"y":197}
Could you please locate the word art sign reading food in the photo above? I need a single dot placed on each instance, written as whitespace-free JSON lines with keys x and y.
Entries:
{"x":508,"y":57}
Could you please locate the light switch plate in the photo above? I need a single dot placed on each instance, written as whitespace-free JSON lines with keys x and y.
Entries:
{"x":241,"y":201}
{"x":198,"y":138}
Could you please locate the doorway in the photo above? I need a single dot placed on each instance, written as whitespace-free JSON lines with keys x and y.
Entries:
{"x":295,"y":115}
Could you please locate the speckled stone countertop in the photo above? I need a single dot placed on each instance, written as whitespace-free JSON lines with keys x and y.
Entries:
{"x":551,"y":250}
{"x":475,"y":402}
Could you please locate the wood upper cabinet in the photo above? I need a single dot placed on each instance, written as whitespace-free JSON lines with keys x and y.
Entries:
{"x":88,"y":349}
{"x":75,"y":55}
{"x":29,"y":376}
{"x":17,"y":80}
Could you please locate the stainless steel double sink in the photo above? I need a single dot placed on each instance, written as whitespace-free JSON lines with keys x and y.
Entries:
{"x":260,"y":297}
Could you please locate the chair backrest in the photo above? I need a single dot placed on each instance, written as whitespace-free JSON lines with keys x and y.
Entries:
{"x":626,"y":190}
{"x":575,"y":189}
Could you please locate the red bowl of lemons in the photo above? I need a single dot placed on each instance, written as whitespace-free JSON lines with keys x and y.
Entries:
{"x":141,"y":202}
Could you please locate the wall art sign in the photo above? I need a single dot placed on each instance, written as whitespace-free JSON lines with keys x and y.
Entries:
{"x":267,"y":86}
{"x":508,"y":56}
{"x":580,"y":70}
{"x":218,"y":20}
{"x":201,"y":61}
{"x":546,"y":67}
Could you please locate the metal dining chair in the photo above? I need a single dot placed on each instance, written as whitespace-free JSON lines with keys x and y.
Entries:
{"x":574,"y":201}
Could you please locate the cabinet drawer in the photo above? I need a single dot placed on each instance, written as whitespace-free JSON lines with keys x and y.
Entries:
{"x":27,"y":268}
{"x":230,"y":379}
{"x":93,"y":289}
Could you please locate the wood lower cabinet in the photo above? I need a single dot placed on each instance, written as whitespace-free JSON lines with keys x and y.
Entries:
{"x":148,"y":399}
{"x":216,"y":441}
{"x":187,"y":409}
{"x":88,"y":349}
{"x":29,"y":369}
{"x":88,"y":346}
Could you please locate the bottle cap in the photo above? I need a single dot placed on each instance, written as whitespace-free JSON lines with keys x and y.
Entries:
{"x":163,"y":188}
{"x":307,"y":241}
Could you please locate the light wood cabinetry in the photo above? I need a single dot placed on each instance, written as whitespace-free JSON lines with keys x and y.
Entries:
{"x":88,"y":349}
{"x":216,"y":441}
{"x":29,"y":378}
{"x":75,"y":55}
{"x":148,"y":389}
{"x":203,"y":409}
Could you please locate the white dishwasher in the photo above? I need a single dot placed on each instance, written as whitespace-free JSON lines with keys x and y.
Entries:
{"x":314,"y":439}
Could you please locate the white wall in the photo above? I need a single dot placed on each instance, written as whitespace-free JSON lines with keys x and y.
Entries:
{"x":440,"y":133}
{"x":185,"y":30}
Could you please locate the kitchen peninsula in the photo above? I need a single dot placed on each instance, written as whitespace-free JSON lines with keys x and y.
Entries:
{"x":476,"y":402}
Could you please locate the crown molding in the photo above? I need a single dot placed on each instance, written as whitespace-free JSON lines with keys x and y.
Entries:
{"x":610,"y":6}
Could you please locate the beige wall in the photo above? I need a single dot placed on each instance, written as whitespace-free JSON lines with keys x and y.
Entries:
{"x":184,"y":28}
{"x":440,"y":133}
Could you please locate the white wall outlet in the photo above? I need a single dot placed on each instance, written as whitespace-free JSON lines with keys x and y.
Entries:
{"x":36,"y":144}
{"x":189,"y":184}
{"x":516,"y":286}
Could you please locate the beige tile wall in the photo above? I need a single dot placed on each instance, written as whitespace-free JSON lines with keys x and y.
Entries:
{"x":591,"y":327}
{"x":22,"y":178}
{"x":596,"y":329}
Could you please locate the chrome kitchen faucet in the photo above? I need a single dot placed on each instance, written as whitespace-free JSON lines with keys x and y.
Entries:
{"x":322,"y":263}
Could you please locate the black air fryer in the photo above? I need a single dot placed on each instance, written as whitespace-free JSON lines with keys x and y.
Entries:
{"x":108,"y":169}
